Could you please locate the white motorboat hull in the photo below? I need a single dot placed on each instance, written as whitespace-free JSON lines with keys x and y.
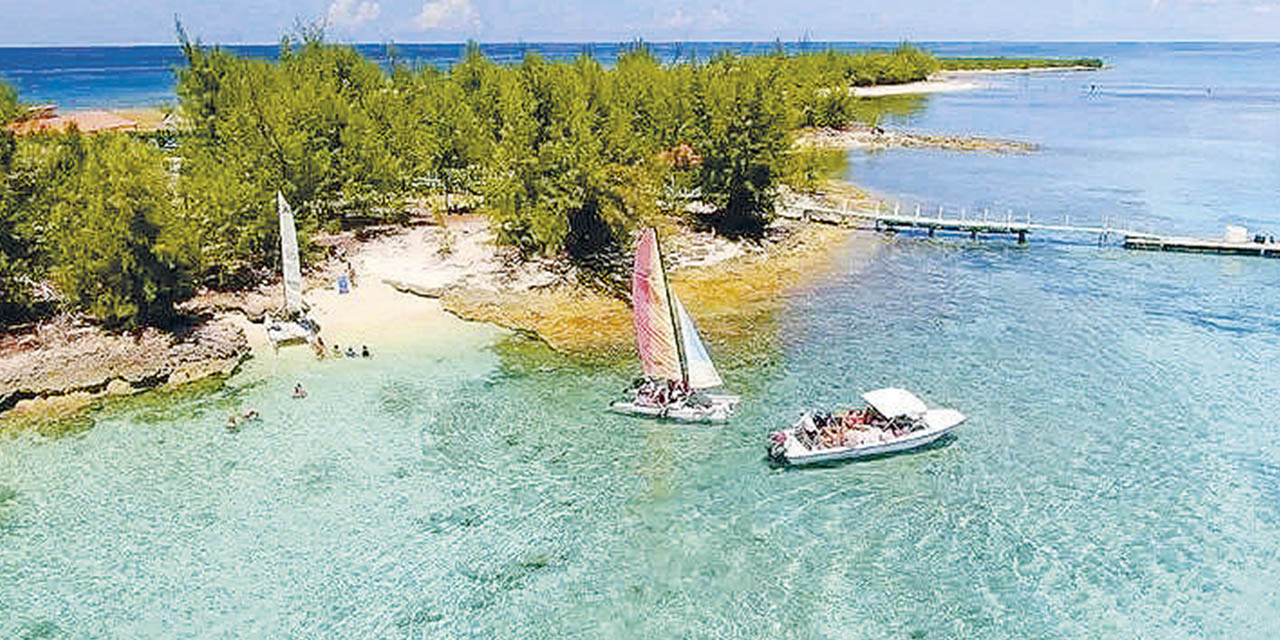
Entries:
{"x":940,"y":422}
{"x":717,"y":412}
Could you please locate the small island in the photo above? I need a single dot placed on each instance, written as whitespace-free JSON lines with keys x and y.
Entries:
{"x":141,"y":255}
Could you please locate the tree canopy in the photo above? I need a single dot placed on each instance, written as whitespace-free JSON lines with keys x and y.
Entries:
{"x":566,"y":158}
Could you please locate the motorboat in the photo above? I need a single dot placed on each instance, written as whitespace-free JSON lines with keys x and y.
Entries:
{"x":892,"y":421}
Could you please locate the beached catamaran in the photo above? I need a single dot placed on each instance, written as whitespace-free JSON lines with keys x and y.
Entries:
{"x":676,"y":363}
{"x":292,"y":325}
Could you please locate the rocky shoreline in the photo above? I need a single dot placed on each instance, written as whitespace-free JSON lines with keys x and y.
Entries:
{"x":865,"y":137}
{"x":65,"y":365}
{"x":69,"y":363}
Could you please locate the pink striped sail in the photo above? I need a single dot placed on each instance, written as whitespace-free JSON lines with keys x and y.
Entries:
{"x":655,"y":330}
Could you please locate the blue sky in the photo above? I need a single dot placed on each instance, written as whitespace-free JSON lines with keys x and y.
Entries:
{"x":257,"y":21}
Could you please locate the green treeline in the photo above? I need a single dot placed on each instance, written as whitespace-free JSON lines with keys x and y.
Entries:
{"x":987,"y":64}
{"x":566,"y":159}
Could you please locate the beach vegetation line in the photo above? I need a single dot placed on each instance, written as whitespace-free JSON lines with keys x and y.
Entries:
{"x":566,"y":159}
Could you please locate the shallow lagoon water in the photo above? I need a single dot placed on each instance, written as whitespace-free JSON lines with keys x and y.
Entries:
{"x":1117,"y":478}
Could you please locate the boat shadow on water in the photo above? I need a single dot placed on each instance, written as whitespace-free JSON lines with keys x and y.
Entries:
{"x":942,"y":442}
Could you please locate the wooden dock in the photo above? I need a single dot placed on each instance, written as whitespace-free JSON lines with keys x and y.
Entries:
{"x":973,"y":225}
{"x":986,"y":224}
{"x":1202,"y":245}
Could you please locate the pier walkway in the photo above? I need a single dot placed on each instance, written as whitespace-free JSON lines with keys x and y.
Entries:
{"x":975,"y":224}
{"x":1268,"y":249}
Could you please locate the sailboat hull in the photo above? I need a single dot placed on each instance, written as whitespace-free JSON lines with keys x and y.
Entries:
{"x":285,"y":332}
{"x":717,"y":412}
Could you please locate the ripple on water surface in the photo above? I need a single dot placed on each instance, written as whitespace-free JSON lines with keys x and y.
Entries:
{"x":1116,"y":479}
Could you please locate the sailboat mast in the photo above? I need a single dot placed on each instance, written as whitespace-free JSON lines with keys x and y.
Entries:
{"x":671,"y":309}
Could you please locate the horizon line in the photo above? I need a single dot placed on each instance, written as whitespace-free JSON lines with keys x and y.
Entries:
{"x":122,"y":45}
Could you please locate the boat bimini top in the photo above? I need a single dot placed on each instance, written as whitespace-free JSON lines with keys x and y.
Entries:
{"x":895,"y":403}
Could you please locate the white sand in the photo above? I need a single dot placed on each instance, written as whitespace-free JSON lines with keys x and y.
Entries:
{"x":374,"y":313}
{"x":933,"y":85}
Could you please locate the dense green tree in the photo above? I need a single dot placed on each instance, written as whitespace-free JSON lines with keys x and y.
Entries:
{"x":10,"y":108}
{"x":567,"y":158}
{"x":565,"y":155}
{"x":111,"y":238}
{"x":744,"y":138}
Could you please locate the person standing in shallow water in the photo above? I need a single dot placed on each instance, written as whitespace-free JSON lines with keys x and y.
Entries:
{"x":299,"y":392}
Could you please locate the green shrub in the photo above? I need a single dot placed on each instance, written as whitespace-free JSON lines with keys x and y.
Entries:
{"x":114,"y":250}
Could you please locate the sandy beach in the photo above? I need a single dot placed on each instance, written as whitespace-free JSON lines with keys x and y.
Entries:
{"x":941,"y":84}
{"x":429,"y":276}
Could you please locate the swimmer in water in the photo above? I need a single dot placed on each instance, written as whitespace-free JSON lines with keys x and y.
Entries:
{"x":234,"y":422}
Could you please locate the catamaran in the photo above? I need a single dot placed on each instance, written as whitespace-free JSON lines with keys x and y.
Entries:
{"x":676,"y":363}
{"x":293,"y":325}
{"x":894,"y":420}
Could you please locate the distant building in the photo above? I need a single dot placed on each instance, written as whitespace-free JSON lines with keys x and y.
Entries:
{"x":44,"y":119}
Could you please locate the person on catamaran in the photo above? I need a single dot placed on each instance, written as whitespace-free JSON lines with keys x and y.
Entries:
{"x":676,"y":391}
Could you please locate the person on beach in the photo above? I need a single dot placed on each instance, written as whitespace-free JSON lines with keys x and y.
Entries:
{"x":364,"y":351}
{"x":317,"y":345}
{"x":351,"y":352}
{"x":298,"y":391}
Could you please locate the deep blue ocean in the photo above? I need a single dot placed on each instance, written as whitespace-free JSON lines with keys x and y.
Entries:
{"x":122,"y":77}
{"x":1119,"y":475}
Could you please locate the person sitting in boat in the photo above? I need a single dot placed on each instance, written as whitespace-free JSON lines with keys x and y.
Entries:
{"x":807,"y":431}
{"x":698,"y":399}
{"x":856,"y":419}
{"x":676,"y":392}
{"x":647,"y":392}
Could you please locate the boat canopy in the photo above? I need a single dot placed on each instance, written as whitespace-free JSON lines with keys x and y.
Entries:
{"x":892,"y":403}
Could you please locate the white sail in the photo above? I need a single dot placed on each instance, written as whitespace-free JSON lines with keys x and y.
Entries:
{"x":289,"y":258}
{"x":702,"y":373}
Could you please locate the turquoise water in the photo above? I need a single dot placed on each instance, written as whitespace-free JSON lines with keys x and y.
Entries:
{"x":1119,"y":476}
{"x":1175,"y":138}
